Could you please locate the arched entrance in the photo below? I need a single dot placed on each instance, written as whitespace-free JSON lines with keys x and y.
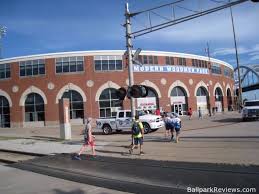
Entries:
{"x":109,"y":103}
{"x":76,"y":105}
{"x":150,"y":103}
{"x":179,"y":100}
{"x":219,"y":100}
{"x":4,"y":112}
{"x":202,"y":96}
{"x":34,"y":108}
{"x":229,"y":100}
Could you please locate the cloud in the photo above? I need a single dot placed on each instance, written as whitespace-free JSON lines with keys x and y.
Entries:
{"x":255,"y":56}
{"x":241,"y":50}
{"x":216,"y":27}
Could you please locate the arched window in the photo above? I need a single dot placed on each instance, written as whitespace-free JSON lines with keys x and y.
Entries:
{"x":34,"y":108}
{"x":201,"y":92}
{"x":178,"y":91}
{"x":218,"y":94}
{"x":109,"y":103}
{"x":4,"y":112}
{"x":151,"y":92}
{"x":202,"y":97}
{"x":179,"y":100}
{"x":76,"y":105}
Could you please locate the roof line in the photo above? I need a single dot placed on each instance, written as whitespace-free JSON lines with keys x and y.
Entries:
{"x":109,"y":52}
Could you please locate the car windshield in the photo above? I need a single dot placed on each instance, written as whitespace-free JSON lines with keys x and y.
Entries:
{"x":252,"y":103}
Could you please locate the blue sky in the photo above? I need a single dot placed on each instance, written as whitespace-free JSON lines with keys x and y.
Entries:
{"x":36,"y":27}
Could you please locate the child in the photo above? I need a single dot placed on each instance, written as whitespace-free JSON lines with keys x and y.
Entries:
{"x":88,"y":139}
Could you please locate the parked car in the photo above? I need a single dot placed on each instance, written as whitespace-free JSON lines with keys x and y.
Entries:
{"x":250,"y":110}
{"x":123,"y":122}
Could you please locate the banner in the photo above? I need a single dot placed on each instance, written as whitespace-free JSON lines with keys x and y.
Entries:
{"x":170,"y":69}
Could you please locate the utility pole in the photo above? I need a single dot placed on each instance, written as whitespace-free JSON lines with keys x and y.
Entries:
{"x":208,"y":85}
{"x":240,"y":103}
{"x":129,"y":58}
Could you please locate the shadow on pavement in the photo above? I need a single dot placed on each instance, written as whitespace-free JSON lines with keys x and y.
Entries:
{"x":76,"y":191}
{"x":228,"y":120}
{"x":142,"y":175}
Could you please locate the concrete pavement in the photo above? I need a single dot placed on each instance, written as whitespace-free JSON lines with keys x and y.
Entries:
{"x":219,"y":139}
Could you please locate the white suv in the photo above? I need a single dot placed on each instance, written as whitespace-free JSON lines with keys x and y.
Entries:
{"x":250,"y":110}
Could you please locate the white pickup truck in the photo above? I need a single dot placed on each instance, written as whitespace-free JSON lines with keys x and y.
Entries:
{"x":123,"y":122}
{"x":250,"y":110}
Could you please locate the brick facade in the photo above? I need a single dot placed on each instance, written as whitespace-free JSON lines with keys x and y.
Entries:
{"x":91,"y":107}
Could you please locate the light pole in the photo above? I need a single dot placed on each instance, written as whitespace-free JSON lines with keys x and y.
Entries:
{"x":129,"y":53}
{"x":3,"y":30}
{"x":240,"y":103}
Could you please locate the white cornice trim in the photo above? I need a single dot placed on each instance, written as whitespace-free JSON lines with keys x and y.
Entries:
{"x":110,"y":52}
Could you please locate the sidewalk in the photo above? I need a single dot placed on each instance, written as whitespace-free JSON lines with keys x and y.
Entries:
{"x":217,"y":139}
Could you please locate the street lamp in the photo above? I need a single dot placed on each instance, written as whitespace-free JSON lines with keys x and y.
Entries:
{"x":3,"y":30}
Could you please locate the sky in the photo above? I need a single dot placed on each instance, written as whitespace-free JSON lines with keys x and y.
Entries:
{"x":38,"y":27}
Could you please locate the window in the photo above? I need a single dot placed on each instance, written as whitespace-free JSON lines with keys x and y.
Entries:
{"x":76,"y":105}
{"x":215,"y":69}
{"x":201,"y":92}
{"x":218,"y":94}
{"x":69,"y":64}
{"x":4,"y":112}
{"x":145,"y":59}
{"x":182,"y":61}
{"x":32,"y":68}
{"x":34,"y":108}
{"x":5,"y":71}
{"x":150,"y":60}
{"x":109,"y":103}
{"x":121,"y":114}
{"x":178,"y":91}
{"x":228,"y":72}
{"x":128,"y":114}
{"x":155,"y":60}
{"x":108,"y":63}
{"x":169,"y":60}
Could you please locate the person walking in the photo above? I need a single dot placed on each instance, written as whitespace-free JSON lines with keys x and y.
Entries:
{"x":138,"y":135}
{"x":167,"y":121}
{"x":177,"y":127}
{"x":172,"y":126}
{"x":190,"y":113}
{"x":88,"y":139}
{"x":200,"y":113}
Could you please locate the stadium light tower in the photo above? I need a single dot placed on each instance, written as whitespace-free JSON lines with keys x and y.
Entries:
{"x":3,"y":30}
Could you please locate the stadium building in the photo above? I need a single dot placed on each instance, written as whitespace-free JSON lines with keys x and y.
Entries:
{"x":31,"y":86}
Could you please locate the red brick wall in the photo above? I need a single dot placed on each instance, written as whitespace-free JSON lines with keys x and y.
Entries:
{"x":80,"y":79}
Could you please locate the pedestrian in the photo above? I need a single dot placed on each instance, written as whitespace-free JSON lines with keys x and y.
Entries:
{"x":167,"y":121}
{"x":200,"y":113}
{"x":177,"y":127}
{"x":157,"y":112}
{"x":138,"y":135}
{"x":190,"y":113}
{"x":172,"y":126}
{"x":88,"y":139}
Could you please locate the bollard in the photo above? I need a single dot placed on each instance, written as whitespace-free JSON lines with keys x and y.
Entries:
{"x":64,"y":119}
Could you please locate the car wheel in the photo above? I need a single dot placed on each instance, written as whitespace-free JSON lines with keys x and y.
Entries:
{"x":244,"y":119}
{"x":146,"y":127}
{"x":107,"y":129}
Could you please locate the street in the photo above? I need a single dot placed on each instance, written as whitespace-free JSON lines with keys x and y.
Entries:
{"x":219,"y":152}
